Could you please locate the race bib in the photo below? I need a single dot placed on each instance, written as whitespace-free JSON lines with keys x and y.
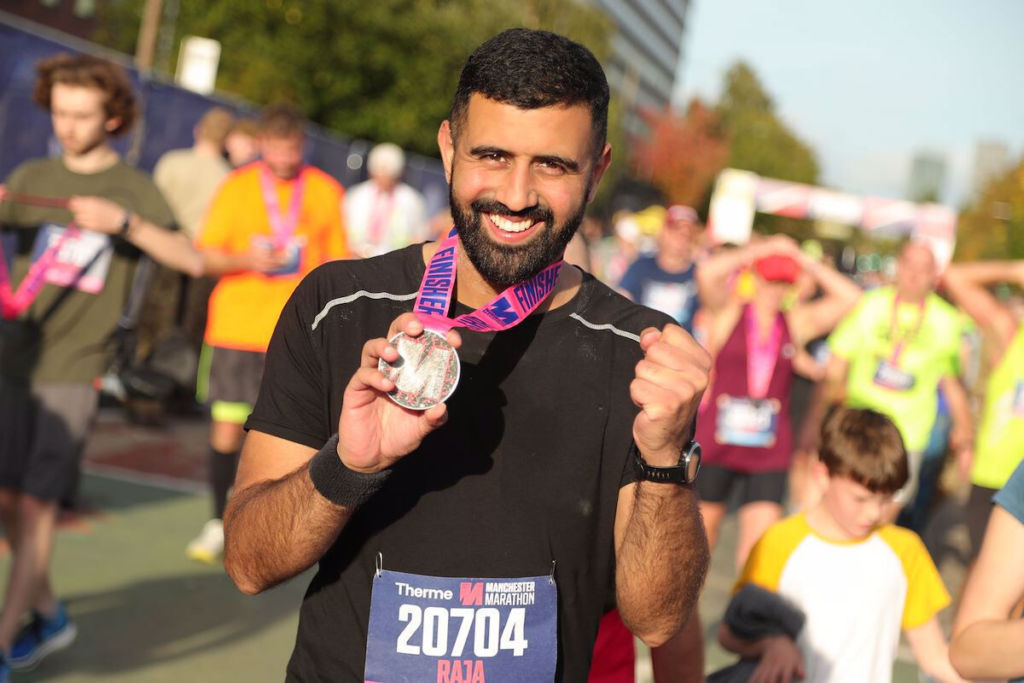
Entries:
{"x":888,"y":376}
{"x":82,"y":262}
{"x":294,"y":251}
{"x":672,"y":298}
{"x":1018,"y":400}
{"x":425,"y":628}
{"x":750,"y":422}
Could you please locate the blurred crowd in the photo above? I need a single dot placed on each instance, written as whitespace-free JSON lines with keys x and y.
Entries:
{"x":852,"y":402}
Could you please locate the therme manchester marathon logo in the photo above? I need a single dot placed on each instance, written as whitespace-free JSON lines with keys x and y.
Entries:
{"x":515,"y":594}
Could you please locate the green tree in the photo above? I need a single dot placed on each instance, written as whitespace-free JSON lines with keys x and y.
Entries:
{"x":761,"y":142}
{"x":382,"y":70}
{"x":993,"y":226}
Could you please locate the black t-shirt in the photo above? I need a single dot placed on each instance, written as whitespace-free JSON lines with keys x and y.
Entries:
{"x":526,"y":471}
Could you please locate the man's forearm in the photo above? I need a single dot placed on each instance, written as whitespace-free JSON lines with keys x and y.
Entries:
{"x":989,"y":649}
{"x":662,"y":561}
{"x":984,"y":273}
{"x":218,"y":264}
{"x":959,"y":410}
{"x":277,"y":529}
{"x":836,"y":285}
{"x":166,"y":247}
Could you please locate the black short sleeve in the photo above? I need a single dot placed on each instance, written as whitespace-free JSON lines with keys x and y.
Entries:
{"x":293,"y":402}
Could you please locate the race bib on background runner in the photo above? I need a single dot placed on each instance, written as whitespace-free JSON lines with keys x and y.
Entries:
{"x":443,"y":630}
{"x":888,"y":376}
{"x":90,"y":250}
{"x":672,"y":298}
{"x":1018,"y":400}
{"x":294,"y":251}
{"x":749,"y":422}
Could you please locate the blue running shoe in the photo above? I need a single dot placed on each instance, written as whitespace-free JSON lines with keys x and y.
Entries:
{"x":39,"y":638}
{"x":5,"y":670}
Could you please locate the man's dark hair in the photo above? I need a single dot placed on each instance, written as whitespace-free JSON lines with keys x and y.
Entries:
{"x":282,"y":120}
{"x":533,"y":69}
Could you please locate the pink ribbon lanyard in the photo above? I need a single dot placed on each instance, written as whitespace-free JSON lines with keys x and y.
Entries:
{"x":897,"y":349}
{"x":380,"y":219}
{"x":283,"y":227}
{"x":762,"y":357}
{"x":509,"y":309}
{"x":14,"y":303}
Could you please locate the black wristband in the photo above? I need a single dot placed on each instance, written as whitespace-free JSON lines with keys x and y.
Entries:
{"x":339,"y":484}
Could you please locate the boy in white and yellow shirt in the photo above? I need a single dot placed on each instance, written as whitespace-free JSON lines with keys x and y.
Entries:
{"x":858,"y":582}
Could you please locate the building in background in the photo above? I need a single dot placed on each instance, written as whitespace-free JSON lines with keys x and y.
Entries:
{"x":991,"y":159}
{"x":927,"y":177}
{"x":646,"y":50}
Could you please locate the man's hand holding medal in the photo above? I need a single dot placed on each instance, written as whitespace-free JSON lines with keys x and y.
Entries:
{"x":374,"y":431}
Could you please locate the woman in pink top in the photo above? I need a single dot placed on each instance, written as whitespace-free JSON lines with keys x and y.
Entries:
{"x":744,"y":425}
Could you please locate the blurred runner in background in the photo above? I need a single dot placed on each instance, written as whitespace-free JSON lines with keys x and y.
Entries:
{"x":744,"y":424}
{"x":892,"y":353}
{"x":383,"y":213}
{"x":73,"y":230}
{"x":665,"y":280}
{"x":270,"y":224}
{"x":242,"y":145}
{"x":999,"y":448}
{"x":189,"y":178}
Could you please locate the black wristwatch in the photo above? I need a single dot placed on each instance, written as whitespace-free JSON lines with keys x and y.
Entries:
{"x":683,"y":473}
{"x":126,"y":225}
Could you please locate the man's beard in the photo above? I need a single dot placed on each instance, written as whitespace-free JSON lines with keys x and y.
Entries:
{"x":505,"y":265}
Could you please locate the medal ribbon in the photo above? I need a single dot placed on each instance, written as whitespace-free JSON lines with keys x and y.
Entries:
{"x":509,"y":309}
{"x":282,"y":227}
{"x":14,"y":303}
{"x":762,"y":356}
{"x":897,"y":349}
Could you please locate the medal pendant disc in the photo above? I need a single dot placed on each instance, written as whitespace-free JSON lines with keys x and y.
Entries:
{"x":426,"y":372}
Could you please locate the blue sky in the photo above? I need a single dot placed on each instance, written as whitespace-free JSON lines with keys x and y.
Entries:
{"x":870,"y":82}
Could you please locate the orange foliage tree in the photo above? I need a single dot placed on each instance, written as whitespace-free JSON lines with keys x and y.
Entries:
{"x":683,"y":154}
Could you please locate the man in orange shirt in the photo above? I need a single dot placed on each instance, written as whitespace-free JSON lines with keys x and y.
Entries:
{"x":271,"y":222}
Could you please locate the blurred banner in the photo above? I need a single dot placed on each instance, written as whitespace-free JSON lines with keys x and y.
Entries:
{"x":739,"y":195}
{"x":169,"y":114}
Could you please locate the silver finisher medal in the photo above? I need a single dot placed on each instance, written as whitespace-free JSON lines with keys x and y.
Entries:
{"x":426,"y":372}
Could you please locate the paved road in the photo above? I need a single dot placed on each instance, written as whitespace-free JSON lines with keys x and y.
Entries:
{"x":147,"y":614}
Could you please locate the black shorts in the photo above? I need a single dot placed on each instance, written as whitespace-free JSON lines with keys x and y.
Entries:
{"x":715,"y":484}
{"x":42,"y":436}
{"x":976,"y":514}
{"x":232,"y":375}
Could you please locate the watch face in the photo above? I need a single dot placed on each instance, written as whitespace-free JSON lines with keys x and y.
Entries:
{"x":692,"y":462}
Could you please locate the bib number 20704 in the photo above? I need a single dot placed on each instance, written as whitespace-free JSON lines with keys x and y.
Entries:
{"x":479,"y":632}
{"x":456,"y":630}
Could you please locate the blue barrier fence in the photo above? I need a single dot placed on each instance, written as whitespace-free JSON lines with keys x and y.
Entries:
{"x":169,"y":114}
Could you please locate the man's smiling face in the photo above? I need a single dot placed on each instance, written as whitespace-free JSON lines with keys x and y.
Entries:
{"x":520,"y":181}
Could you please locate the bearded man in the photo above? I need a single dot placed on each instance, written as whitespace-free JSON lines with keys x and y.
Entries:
{"x":472,"y":498}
